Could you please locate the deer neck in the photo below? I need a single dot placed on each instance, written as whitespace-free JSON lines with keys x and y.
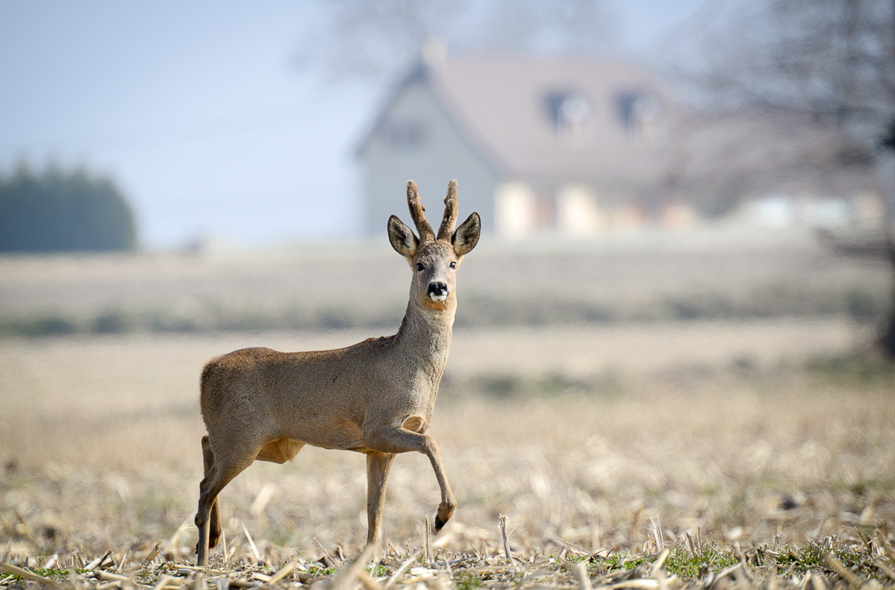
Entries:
{"x":425,"y":336}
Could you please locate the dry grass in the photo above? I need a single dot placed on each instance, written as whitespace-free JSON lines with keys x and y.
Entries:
{"x":668,"y":277}
{"x":758,"y":453}
{"x":100,"y":439}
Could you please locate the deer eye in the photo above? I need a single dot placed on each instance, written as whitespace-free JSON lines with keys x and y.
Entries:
{"x":453,"y":265}
{"x":420,"y":267}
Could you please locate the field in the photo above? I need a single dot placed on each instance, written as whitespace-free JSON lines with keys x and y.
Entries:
{"x":696,"y":412}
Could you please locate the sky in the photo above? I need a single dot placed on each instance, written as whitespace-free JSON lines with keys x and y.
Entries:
{"x":200,"y":114}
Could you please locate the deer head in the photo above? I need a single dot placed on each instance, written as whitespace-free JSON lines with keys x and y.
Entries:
{"x":434,"y":258}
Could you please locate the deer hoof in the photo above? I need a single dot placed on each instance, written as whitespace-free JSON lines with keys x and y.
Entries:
{"x":445,"y":511}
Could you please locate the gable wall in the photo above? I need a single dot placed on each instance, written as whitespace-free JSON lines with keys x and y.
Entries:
{"x":442,"y":154}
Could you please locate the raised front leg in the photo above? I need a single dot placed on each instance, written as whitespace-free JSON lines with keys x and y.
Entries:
{"x":400,"y":440}
{"x":378,"y":466}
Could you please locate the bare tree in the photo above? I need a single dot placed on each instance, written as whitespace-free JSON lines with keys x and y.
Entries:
{"x":376,"y":41}
{"x":831,"y":62}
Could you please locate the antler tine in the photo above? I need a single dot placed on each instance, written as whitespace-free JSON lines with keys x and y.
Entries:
{"x":417,"y":212}
{"x":450,"y":213}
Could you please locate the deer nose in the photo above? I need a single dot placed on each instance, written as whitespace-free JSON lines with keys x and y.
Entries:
{"x":437,"y":291}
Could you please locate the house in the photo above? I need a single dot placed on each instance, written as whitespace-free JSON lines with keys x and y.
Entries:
{"x":537,"y":146}
{"x":576,"y":147}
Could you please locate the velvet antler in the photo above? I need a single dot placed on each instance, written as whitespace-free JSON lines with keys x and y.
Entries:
{"x":417,"y":213}
{"x":450,"y":213}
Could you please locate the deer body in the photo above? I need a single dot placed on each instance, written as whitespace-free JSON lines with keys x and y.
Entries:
{"x":327,"y":398}
{"x":376,"y":397}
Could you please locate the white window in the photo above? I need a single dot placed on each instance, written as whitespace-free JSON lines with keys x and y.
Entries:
{"x":641,"y":116}
{"x":572,"y":116}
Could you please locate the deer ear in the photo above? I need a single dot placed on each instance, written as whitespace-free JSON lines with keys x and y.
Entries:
{"x":401,"y":237}
{"x":467,"y":235}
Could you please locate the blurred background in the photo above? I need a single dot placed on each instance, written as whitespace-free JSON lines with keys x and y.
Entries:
{"x":599,"y":126}
{"x":289,"y":122}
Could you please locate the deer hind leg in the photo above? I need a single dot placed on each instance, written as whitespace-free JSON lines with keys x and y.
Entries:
{"x":402,"y":440}
{"x":378,"y":466}
{"x":219,"y":472}
{"x":215,"y":526}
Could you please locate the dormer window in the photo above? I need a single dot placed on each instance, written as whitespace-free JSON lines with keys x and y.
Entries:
{"x":641,"y":115}
{"x":572,"y":116}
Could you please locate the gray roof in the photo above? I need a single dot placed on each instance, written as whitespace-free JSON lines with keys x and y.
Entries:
{"x":507,"y":110}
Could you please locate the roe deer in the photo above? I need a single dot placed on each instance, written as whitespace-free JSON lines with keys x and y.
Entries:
{"x":375,"y":397}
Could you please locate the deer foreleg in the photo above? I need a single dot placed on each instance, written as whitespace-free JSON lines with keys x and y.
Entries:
{"x":448,"y":503}
{"x":378,"y":466}
{"x":401,"y":440}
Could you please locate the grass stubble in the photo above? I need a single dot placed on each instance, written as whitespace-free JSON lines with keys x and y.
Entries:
{"x":744,"y":447}
{"x":737,"y":474}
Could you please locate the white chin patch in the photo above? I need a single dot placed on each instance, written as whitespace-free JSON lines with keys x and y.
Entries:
{"x":439,"y":298}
